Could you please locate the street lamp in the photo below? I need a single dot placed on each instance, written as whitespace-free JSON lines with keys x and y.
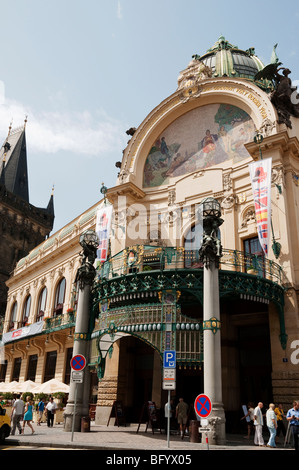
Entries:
{"x":211,"y":249}
{"x":85,"y":278}
{"x":86,"y":273}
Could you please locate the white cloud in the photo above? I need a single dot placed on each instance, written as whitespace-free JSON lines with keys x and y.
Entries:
{"x":50,"y":132}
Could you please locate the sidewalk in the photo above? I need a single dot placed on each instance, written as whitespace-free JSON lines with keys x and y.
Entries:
{"x":111,"y":438}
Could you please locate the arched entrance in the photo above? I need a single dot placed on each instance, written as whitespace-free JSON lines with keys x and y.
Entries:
{"x":140,"y":372}
{"x":131,"y":372}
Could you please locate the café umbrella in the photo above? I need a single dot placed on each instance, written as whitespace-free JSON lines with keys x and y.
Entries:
{"x":28,"y":386}
{"x":52,"y":386}
{"x":9,"y":387}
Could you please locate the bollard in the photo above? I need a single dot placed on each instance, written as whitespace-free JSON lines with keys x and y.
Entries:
{"x":194,"y":434}
{"x":85,"y":424}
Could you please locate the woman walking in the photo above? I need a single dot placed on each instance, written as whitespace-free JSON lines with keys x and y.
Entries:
{"x":28,"y":414}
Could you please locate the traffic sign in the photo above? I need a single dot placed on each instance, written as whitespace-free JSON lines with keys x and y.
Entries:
{"x":202,"y":406}
{"x":77,"y":376}
{"x":78,"y":362}
{"x":202,"y":430}
{"x":169,"y":376}
{"x":169,"y":359}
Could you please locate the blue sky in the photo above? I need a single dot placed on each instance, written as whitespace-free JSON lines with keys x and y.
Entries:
{"x":86,"y":71}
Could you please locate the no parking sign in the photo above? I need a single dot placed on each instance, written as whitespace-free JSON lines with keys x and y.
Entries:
{"x":202,"y":406}
{"x":78,"y":362}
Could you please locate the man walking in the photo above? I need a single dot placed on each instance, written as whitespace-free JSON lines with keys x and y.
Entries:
{"x":293,"y":418}
{"x":258,"y":423}
{"x":17,"y":415}
{"x":51,"y":409}
{"x":182,"y":415}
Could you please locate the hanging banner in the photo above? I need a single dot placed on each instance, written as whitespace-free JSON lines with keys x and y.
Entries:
{"x":103,"y":225}
{"x":260,"y":175}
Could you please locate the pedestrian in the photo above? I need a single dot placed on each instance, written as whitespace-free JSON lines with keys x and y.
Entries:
{"x":51,"y":409}
{"x":168,"y":412}
{"x":258,"y":423}
{"x":249,"y":418}
{"x":28,"y":416}
{"x":271,"y":420}
{"x":280,"y":424}
{"x":182,"y":415}
{"x":17,"y":415}
{"x":40,"y":409}
{"x":293,"y":418}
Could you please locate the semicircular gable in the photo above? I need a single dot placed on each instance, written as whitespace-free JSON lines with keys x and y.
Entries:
{"x":174,"y":141}
{"x":202,"y":138}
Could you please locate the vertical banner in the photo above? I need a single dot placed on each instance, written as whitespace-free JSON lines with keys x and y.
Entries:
{"x":260,"y":175}
{"x":103,"y":225}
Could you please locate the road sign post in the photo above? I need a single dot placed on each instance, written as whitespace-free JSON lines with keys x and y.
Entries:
{"x":78,"y":364}
{"x":203,"y":408}
{"x":169,"y":380}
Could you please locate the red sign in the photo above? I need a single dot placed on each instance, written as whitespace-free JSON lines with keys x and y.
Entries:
{"x":202,"y":406}
{"x":78,"y":362}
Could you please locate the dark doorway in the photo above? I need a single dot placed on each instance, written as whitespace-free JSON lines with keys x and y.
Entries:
{"x":137,"y":365}
{"x":189,"y":384}
{"x":255,"y":364}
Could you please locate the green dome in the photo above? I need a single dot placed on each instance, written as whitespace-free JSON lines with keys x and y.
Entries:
{"x":227,"y":60}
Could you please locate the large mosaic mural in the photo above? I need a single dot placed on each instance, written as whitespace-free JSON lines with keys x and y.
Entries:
{"x":201,"y":138}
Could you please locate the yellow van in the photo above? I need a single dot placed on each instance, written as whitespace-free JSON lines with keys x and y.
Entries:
{"x":4,"y":424}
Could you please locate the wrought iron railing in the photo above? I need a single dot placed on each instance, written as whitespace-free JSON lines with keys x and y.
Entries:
{"x":58,"y":322}
{"x":141,"y":258}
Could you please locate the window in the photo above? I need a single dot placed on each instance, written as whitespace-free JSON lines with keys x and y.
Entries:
{"x":41,"y":304}
{"x":16,"y":369}
{"x":26,"y":310}
{"x":252,"y":246}
{"x":59,"y":297}
{"x":32,"y":364}
{"x":50,"y":366}
{"x":3,"y":369}
{"x":256,"y":259}
{"x":13,"y":316}
{"x":67,"y":375}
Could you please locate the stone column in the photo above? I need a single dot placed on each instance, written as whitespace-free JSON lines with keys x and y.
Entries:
{"x":212,"y":354}
{"x":210,"y":254}
{"x":79,"y":392}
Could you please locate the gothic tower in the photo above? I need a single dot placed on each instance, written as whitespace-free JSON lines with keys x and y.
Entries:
{"x":22,"y":225}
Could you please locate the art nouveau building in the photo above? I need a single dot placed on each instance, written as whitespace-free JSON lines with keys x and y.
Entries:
{"x":148,"y":296}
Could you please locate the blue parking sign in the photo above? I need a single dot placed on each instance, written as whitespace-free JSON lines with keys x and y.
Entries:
{"x":169,"y":359}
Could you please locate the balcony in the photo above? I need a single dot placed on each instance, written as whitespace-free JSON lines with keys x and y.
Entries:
{"x":47,"y":325}
{"x":140,"y":273}
{"x":144,"y":269}
{"x":129,"y":290}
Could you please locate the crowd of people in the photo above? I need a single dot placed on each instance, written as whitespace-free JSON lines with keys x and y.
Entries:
{"x":23,"y":412}
{"x":274,"y":419}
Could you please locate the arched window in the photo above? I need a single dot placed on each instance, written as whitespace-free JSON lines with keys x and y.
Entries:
{"x":41,"y":307}
{"x":59,"y":297}
{"x":13,"y":316}
{"x":26,"y":310}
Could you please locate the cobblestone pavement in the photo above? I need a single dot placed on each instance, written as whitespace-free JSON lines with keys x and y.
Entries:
{"x":111,"y":438}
